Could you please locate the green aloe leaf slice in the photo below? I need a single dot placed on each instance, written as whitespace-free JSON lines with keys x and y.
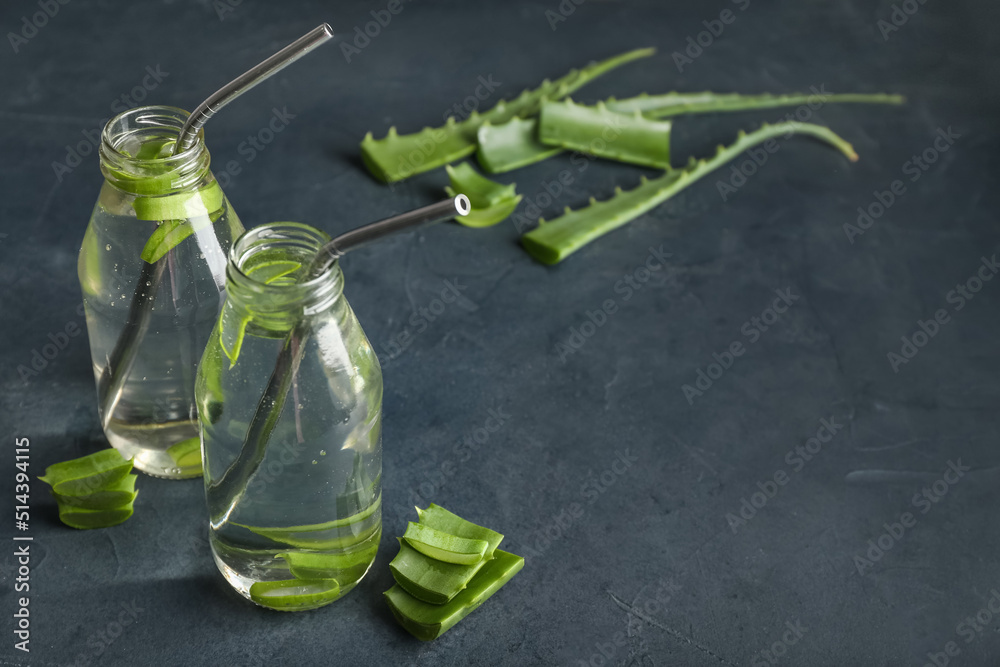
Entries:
{"x":87,"y":474}
{"x":84,"y":519}
{"x":295,"y":594}
{"x":491,"y":201}
{"x":429,"y":621}
{"x":313,"y":565}
{"x":337,"y":534}
{"x":444,"y":546}
{"x":186,"y":452}
{"x":441,"y":519}
{"x":428,"y":579}
{"x":115,"y":496}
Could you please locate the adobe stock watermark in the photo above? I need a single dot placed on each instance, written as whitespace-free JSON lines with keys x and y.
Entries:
{"x":752,"y":330}
{"x":773,"y":654}
{"x":254,"y":144}
{"x":796,"y":459}
{"x":639,"y":614}
{"x":970,"y":629}
{"x":563,"y":11}
{"x":927,"y":329}
{"x":56,"y":342}
{"x":899,"y":17}
{"x":99,"y":641}
{"x":372,"y":29}
{"x":92,"y":137}
{"x":433,"y":480}
{"x":421,"y":320}
{"x":714,"y":28}
{"x":924,"y":500}
{"x":223,"y":7}
{"x":594,"y":486}
{"x":915,"y":167}
{"x":626,"y":287}
{"x":37,"y":21}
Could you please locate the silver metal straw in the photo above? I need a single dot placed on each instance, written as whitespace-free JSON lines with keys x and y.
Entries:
{"x":234,"y":481}
{"x":244,"y":82}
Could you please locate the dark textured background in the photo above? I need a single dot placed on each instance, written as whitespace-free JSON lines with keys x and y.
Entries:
{"x":653,"y":557}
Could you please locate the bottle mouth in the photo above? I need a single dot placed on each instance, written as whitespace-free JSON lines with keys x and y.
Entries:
{"x":269,"y":266}
{"x":137,"y":151}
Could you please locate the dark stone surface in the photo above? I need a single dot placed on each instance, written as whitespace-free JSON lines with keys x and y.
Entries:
{"x":659,"y":526}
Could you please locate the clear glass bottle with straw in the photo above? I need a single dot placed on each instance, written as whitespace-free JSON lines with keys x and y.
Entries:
{"x":293,"y":490}
{"x":152,"y":272}
{"x":290,"y":402}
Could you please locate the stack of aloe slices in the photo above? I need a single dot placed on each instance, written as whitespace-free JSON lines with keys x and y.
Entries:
{"x":445,"y":569}
{"x":544,"y":122}
{"x":93,"y":491}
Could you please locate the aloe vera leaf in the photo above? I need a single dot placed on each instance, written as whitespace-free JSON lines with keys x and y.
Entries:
{"x":429,"y":621}
{"x":599,"y":131}
{"x":429,"y":579}
{"x":553,"y":241}
{"x":441,"y":519}
{"x":399,"y":156}
{"x":515,"y":144}
{"x":115,"y":496}
{"x":84,"y":519}
{"x":491,"y":201}
{"x":87,"y":474}
{"x":676,"y":104}
{"x":186,"y":452}
{"x":444,"y":546}
{"x":295,"y":594}
{"x":181,"y":205}
{"x":336,"y":534}
{"x":311,"y":565}
{"x":511,"y":145}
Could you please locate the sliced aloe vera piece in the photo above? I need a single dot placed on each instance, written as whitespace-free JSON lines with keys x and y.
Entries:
{"x":511,"y":145}
{"x":429,"y":621}
{"x":116,"y":496}
{"x":87,"y":474}
{"x":337,"y":534}
{"x":180,"y":206}
{"x":295,"y":594}
{"x":444,"y":546}
{"x":84,"y":519}
{"x":429,"y":579}
{"x":186,"y":452}
{"x":441,"y":519}
{"x":312,"y":565}
{"x":491,"y":201}
{"x":599,"y":131}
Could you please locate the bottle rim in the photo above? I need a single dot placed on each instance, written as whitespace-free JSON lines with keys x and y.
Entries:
{"x":261,"y":247}
{"x":157,"y":175}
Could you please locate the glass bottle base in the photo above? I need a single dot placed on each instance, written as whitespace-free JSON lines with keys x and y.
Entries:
{"x":168,"y":451}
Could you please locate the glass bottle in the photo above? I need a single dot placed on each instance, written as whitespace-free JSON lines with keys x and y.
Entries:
{"x":152,"y":271}
{"x":290,"y":403}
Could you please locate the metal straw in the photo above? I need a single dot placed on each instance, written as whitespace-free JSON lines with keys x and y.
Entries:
{"x":233,"y":482}
{"x":244,"y":82}
{"x":112,"y":381}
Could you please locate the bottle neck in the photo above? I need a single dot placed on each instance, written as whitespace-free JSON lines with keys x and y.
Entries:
{"x":137,"y":152}
{"x":267,"y":274}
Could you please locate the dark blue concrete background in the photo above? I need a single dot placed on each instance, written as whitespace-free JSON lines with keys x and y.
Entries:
{"x":636,"y":562}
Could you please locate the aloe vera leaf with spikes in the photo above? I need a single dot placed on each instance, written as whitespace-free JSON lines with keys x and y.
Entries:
{"x":515,"y":144}
{"x":677,"y":104}
{"x":491,"y":201}
{"x":553,"y":241}
{"x":596,"y":130}
{"x":398,"y":156}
